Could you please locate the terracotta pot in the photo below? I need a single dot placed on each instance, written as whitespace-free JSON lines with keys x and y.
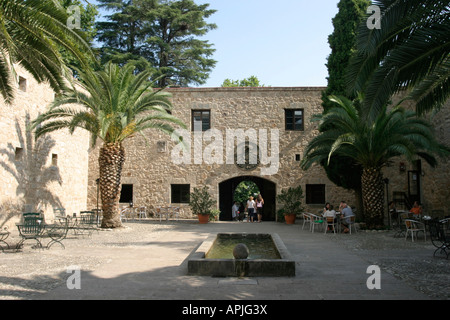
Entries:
{"x":289,"y":218}
{"x":203,"y":218}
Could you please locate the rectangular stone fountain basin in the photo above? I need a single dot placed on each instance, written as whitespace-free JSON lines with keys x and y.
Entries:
{"x":273,"y":261}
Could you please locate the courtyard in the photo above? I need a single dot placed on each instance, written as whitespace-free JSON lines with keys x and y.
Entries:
{"x":148,"y":260}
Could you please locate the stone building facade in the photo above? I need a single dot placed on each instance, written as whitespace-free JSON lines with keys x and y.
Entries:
{"x":157,"y":177}
{"x":60,"y":170}
{"x":158,"y":172}
{"x":419,"y":181}
{"x":48,"y":173}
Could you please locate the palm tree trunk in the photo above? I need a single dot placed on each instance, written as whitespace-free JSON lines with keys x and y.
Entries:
{"x":111,"y":159}
{"x":373,"y":197}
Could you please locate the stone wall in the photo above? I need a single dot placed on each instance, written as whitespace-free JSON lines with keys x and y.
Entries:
{"x":150,"y":164}
{"x":38,"y":175}
{"x":53,"y":171}
{"x":434,"y":183}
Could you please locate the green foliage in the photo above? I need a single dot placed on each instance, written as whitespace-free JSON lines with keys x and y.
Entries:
{"x":116,"y":104}
{"x":342,"y":171}
{"x":372,"y":144}
{"x":244,"y":190}
{"x":397,"y":132}
{"x":32,"y":32}
{"x":410,"y":51}
{"x":161,"y":35}
{"x":214,"y":214}
{"x":251,"y":81}
{"x":88,"y":15}
{"x":291,"y":200}
{"x":201,"y":202}
{"x":342,"y":43}
{"x":280,"y":215}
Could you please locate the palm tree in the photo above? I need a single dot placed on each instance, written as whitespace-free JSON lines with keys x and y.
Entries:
{"x":397,"y":132}
{"x":31,"y":34}
{"x":116,"y":104}
{"x":410,"y":51}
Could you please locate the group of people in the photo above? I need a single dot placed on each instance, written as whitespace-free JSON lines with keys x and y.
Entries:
{"x":416,"y":210}
{"x":253,"y":207}
{"x":345,"y":211}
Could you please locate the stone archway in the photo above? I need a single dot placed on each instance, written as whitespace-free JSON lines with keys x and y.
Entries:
{"x":266,"y":187}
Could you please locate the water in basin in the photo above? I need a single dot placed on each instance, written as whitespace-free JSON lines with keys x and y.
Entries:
{"x":260,"y":247}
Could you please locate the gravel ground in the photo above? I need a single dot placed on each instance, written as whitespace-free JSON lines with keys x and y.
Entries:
{"x":29,"y":272}
{"x":412,"y":262}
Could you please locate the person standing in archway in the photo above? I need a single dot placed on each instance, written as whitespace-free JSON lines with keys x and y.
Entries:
{"x":235,"y":211}
{"x":250,"y":208}
{"x":259,"y":207}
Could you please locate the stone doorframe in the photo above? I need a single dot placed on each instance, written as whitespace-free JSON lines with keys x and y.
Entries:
{"x":268,"y":190}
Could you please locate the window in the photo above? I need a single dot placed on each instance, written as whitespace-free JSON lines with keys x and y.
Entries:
{"x":297,"y":157}
{"x":294,"y":119}
{"x":180,"y":193}
{"x":315,"y":194}
{"x":22,"y":84}
{"x":126,"y":194}
{"x":54,"y":159}
{"x":18,"y":154}
{"x":201,"y":120}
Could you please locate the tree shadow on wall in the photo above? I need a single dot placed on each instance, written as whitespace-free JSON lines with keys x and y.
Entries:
{"x":30,"y":166}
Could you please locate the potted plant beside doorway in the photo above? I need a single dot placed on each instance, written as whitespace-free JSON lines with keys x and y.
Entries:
{"x":291,"y":201}
{"x":201,"y":204}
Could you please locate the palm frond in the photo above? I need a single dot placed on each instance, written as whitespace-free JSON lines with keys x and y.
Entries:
{"x":397,"y":132}
{"x":413,"y":42}
{"x":433,"y":91}
{"x":31,"y":33}
{"x":104,"y":108}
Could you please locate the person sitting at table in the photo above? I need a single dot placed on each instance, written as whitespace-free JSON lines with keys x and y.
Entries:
{"x":346,"y":212}
{"x":326,"y":208}
{"x":329,"y":212}
{"x":416,"y":210}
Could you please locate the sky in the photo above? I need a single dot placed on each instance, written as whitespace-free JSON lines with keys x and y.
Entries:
{"x":283,"y":43}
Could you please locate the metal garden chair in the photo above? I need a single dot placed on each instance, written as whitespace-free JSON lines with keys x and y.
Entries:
{"x":32,"y":228}
{"x":4,"y":234}
{"x":58,"y":232}
{"x":439,"y":238}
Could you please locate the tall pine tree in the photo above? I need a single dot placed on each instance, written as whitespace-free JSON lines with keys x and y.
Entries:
{"x":342,"y":43}
{"x":343,"y":171}
{"x":159,"y":34}
{"x":88,"y":14}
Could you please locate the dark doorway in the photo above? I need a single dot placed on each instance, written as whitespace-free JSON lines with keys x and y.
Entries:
{"x":126,"y":193}
{"x":228,"y":187}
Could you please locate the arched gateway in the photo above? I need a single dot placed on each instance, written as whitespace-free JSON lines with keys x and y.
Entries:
{"x":266,"y":187}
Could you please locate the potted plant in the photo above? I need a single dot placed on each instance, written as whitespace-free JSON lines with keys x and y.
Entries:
{"x":291,"y":201}
{"x":214,"y":215}
{"x":201,"y":204}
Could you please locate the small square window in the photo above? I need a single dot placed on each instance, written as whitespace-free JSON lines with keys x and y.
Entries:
{"x":297,"y":157}
{"x":201,"y":120}
{"x":315,"y":194}
{"x":180,"y":193}
{"x":294,"y":119}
